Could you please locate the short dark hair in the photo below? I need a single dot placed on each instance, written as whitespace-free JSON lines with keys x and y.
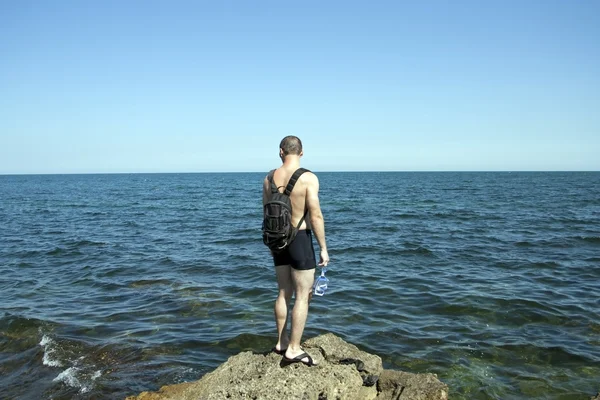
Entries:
{"x":291,"y":145}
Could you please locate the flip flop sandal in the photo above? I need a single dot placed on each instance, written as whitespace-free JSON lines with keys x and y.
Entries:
{"x":299,"y":358}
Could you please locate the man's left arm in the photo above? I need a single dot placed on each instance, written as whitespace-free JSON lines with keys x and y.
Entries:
{"x":265,"y":190}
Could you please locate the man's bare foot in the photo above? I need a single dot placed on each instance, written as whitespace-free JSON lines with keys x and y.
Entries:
{"x":281,"y":347}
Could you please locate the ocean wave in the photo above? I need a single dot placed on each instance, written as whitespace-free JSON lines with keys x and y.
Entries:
{"x":460,"y":215}
{"x":238,"y":241}
{"x":343,"y":209}
{"x":77,"y":378}
{"x":524,"y":243}
{"x":95,"y":213}
{"x":58,"y":251}
{"x":590,"y":239}
{"x":50,"y":352}
{"x":151,"y":282}
{"x":387,"y":229}
{"x":543,"y":264}
{"x":386,"y":250}
{"x":460,"y":189}
{"x":558,"y":355}
{"x":355,"y":250}
{"x":464,"y":308}
{"x":75,"y":205}
{"x":420,"y":250}
{"x":131,"y":224}
{"x":557,"y":242}
{"x":405,"y":215}
{"x":14,"y":324}
{"x":18,"y":333}
{"x":78,"y":359}
{"x":167,"y":261}
{"x":87,"y":243}
{"x":54,"y":232}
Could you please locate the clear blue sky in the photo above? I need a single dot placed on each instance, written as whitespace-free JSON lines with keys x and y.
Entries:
{"x":161,"y":86}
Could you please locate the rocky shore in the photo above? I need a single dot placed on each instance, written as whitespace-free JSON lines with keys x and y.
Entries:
{"x":344,"y":372}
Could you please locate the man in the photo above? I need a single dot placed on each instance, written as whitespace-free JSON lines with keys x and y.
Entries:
{"x":295,"y":266}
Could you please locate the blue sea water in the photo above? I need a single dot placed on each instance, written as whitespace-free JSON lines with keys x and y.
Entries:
{"x":116,"y":284}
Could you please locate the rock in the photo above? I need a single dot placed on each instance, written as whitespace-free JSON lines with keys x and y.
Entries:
{"x":596,"y":397}
{"x":344,"y":372}
{"x":404,"y":385}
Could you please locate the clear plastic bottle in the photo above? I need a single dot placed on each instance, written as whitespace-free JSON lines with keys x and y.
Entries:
{"x":320,"y":286}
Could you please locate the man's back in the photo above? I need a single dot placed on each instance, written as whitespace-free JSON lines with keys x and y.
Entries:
{"x":302,"y":197}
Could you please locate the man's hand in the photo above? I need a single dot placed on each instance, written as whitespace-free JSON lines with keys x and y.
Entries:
{"x":324,"y":258}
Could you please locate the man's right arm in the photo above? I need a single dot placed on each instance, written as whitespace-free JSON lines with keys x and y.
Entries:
{"x":316,"y":216}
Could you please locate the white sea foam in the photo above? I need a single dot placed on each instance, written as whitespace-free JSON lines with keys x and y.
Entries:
{"x":185,"y":375}
{"x":45,"y":340}
{"x":68,"y":377}
{"x":71,"y":377}
{"x":49,"y":349}
{"x":77,"y":376}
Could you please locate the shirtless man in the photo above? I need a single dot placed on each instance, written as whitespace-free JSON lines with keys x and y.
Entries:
{"x":295,"y":266}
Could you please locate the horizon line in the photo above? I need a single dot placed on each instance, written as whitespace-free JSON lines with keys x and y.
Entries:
{"x":255,"y":172}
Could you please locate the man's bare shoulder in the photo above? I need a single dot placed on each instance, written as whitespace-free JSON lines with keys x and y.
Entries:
{"x":309,"y":178}
{"x":309,"y":175}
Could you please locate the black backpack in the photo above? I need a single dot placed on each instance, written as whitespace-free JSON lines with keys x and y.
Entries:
{"x":278,"y":231}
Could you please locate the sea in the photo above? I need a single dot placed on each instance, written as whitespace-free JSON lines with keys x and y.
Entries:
{"x":115,"y":284}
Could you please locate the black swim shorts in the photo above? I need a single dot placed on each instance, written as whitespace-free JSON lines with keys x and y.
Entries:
{"x":300,"y":254}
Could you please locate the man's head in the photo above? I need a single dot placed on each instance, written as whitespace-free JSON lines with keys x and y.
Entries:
{"x":290,"y":145}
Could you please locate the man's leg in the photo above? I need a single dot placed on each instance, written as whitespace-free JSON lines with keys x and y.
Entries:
{"x":284,"y":281}
{"x":303,"y":281}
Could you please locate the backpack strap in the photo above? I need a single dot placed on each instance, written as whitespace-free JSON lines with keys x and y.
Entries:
{"x":290,"y":187}
{"x":274,"y":188}
{"x":293,"y":180}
